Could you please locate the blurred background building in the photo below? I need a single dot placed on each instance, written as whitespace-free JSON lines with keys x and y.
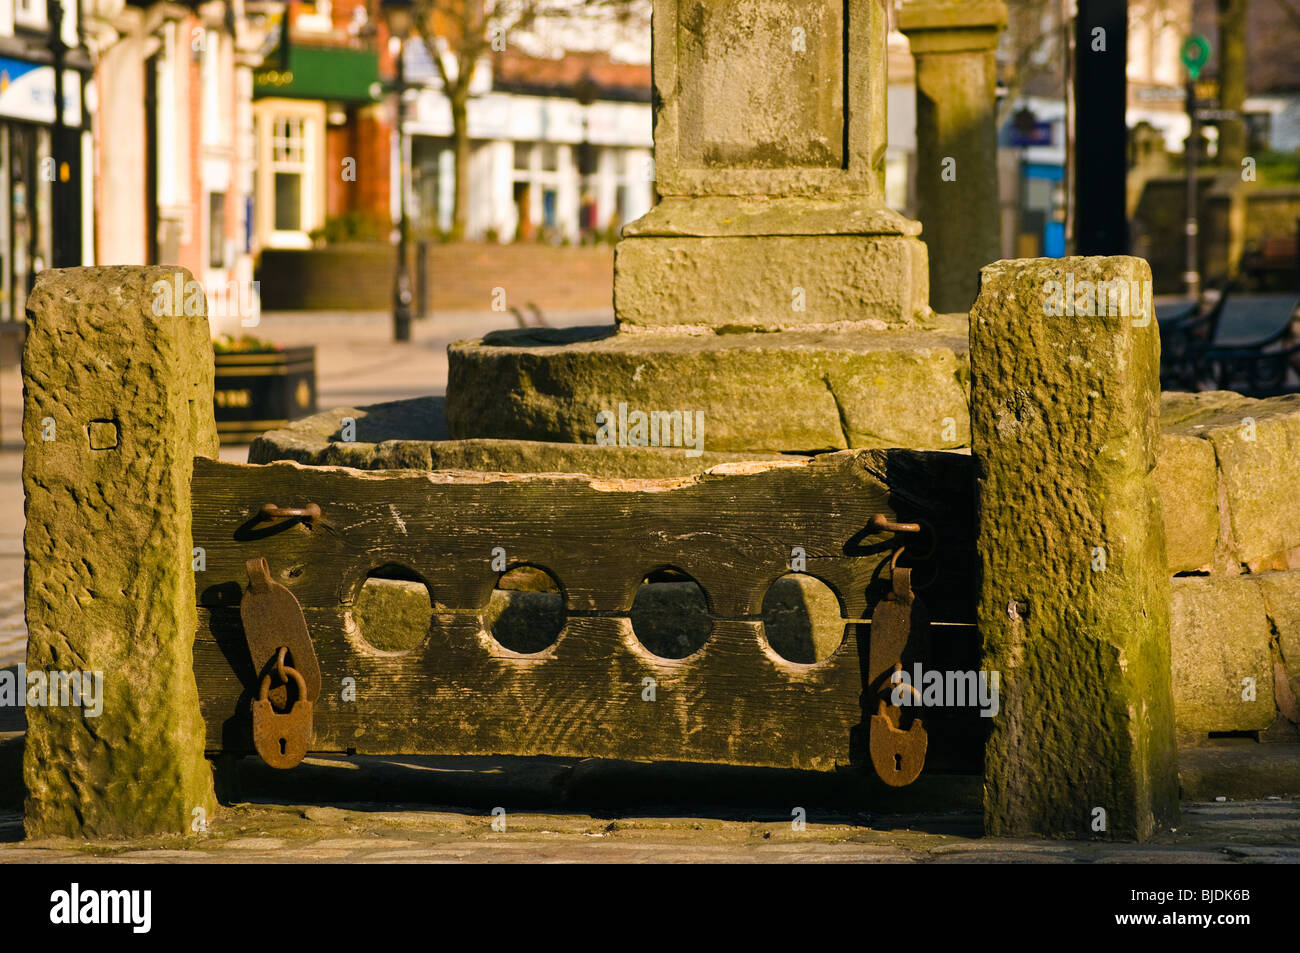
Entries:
{"x":207,"y":133}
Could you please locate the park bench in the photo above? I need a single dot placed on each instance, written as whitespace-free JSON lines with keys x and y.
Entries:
{"x":1187,"y":335}
{"x":1267,"y":367}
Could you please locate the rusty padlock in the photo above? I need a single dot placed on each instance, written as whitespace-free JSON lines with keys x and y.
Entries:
{"x":282,"y":739}
{"x":273,"y":619}
{"x":898,"y":756}
{"x":899,"y":627}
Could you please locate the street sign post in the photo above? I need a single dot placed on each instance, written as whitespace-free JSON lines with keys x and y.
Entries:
{"x":1196,"y":53}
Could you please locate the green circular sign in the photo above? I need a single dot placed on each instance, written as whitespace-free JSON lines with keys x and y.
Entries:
{"x":1196,"y":53}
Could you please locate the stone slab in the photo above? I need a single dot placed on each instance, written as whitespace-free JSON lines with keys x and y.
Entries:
{"x":787,"y":392}
{"x":1281,"y":592}
{"x":1238,"y":770}
{"x":1219,"y":637}
{"x":1256,"y":447}
{"x":1187,"y":480}
{"x":945,"y":26}
{"x":395,"y":436}
{"x":117,"y":404}
{"x":1074,"y":597}
{"x":770,"y":283}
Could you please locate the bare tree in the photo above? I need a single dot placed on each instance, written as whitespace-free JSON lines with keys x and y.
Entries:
{"x":1232,"y":80}
{"x":461,"y":34}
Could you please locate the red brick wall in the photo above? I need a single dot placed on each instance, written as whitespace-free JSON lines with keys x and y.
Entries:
{"x":462,"y":277}
{"x":365,"y":138}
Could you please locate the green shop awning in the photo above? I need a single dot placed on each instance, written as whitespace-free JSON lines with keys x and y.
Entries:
{"x":315,"y":72}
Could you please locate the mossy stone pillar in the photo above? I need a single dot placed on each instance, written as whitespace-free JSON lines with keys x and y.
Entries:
{"x":954,"y":44}
{"x":1074,"y":597}
{"x":117,"y":380}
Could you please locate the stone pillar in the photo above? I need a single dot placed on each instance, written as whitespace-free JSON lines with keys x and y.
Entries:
{"x":954,"y":44}
{"x":769,"y":151}
{"x":771,"y":289}
{"x":117,"y":378}
{"x":1074,"y":597}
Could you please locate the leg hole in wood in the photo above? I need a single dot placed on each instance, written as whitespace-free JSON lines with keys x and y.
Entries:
{"x":526,"y":611}
{"x":802,"y":619}
{"x":670,"y":614}
{"x":393,"y":609}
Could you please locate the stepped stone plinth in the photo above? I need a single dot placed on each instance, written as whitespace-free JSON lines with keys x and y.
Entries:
{"x":771,"y":289}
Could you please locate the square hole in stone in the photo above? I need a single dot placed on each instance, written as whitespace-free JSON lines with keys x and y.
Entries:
{"x":103,"y":435}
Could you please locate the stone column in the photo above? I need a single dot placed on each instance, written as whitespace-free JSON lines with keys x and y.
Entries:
{"x":954,"y":44}
{"x":117,"y":378}
{"x":769,"y":152}
{"x":1074,"y":597}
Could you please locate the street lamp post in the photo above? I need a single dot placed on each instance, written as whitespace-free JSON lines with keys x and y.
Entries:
{"x":58,"y":49}
{"x":585,"y":91}
{"x":398,"y":16}
{"x":1191,"y":227}
{"x":1195,"y":54}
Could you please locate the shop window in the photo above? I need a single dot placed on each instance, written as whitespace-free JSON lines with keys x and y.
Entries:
{"x":288,"y":139}
{"x":30,"y":13}
{"x":288,"y":201}
{"x":523,"y":156}
{"x":216,"y":229}
{"x":289,"y":165}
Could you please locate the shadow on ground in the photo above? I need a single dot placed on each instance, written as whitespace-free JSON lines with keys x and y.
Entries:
{"x":606,"y":789}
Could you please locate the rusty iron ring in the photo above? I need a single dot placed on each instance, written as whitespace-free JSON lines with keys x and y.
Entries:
{"x":264,"y":692}
{"x":891,"y":685}
{"x":281,"y":670}
{"x":271,"y":511}
{"x":883,"y":524}
{"x":893,"y":565}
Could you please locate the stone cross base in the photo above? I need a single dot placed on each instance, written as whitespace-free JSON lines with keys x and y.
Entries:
{"x":770,"y":264}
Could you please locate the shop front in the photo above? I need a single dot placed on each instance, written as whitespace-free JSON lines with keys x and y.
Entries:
{"x":29,"y":173}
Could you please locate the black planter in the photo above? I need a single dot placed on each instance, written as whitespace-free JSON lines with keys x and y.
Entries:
{"x":257,"y":391}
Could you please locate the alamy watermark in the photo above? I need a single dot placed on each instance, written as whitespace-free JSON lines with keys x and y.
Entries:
{"x":946,"y":689}
{"x":1116,"y":298}
{"x":658,"y":428}
{"x":131,"y":908}
{"x":39,"y":689}
{"x":181,"y":297}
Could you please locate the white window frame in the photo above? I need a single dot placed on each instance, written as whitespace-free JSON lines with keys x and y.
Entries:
{"x":308,"y":160}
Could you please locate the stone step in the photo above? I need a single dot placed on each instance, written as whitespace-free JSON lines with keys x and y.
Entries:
{"x":789,"y":391}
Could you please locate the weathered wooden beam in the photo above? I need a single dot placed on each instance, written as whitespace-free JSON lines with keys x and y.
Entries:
{"x":734,"y":530}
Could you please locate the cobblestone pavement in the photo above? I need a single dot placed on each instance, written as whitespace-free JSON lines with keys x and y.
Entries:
{"x":604,"y":811}
{"x":1244,"y":832}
